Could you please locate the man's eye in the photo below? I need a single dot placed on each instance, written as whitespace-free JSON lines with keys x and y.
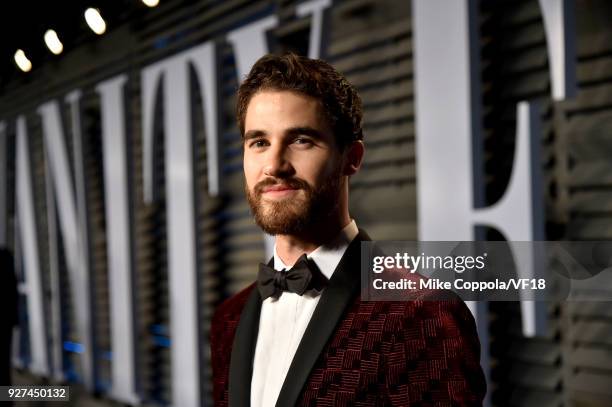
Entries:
{"x":302,"y":140}
{"x":257,"y":143}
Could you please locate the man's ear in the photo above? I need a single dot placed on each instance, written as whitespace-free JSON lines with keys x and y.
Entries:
{"x":353,"y":157}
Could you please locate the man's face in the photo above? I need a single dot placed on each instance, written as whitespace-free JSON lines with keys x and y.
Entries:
{"x":292,"y":166}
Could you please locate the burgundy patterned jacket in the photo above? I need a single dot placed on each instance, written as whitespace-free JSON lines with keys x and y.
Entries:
{"x":355,"y":353}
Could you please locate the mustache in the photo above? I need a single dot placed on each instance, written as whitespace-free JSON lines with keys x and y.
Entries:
{"x":294,"y":183}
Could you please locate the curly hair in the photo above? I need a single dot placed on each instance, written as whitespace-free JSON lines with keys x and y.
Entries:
{"x":312,"y":77}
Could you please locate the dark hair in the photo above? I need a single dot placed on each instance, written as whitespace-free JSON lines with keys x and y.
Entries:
{"x":312,"y":77}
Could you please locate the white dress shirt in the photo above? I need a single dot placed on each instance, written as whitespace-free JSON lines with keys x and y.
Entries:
{"x":282,"y":322}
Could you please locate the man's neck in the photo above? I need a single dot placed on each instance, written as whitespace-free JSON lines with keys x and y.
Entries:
{"x":290,"y":247}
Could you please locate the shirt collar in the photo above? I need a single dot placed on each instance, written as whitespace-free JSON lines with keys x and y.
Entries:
{"x":328,"y":255}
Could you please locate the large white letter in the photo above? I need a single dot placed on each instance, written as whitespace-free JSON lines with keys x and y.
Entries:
{"x":447,"y":99}
{"x":558,"y":16}
{"x":180,"y":199}
{"x":118,"y":239}
{"x":250,"y":43}
{"x":316,"y":8}
{"x":448,"y":128}
{"x":55,"y":287}
{"x":30,"y":254}
{"x":73,"y":222}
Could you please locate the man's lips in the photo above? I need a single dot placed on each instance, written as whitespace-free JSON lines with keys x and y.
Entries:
{"x":278,"y":191}
{"x":278,"y":188}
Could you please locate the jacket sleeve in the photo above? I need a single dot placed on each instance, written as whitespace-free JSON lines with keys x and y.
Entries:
{"x":220,"y":353}
{"x":222,"y":331}
{"x":435,"y":357}
{"x":214,"y":356}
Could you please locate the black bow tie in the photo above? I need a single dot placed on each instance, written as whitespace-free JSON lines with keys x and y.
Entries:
{"x":271,"y":282}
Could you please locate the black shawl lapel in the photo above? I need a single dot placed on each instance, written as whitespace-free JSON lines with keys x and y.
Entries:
{"x":343,"y":286}
{"x":243,"y":351}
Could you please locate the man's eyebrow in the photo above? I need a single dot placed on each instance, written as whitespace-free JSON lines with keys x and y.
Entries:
{"x":306,"y":131}
{"x":251,"y":134}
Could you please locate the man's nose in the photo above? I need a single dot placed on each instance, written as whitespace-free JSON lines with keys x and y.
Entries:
{"x":278,"y":163}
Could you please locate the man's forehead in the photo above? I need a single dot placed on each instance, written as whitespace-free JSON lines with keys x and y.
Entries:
{"x":277,"y":107}
{"x":284,"y":98}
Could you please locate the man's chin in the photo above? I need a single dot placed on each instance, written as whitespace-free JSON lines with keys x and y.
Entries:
{"x":282,"y":228}
{"x":282,"y":212}
{"x":276,"y":200}
{"x":281,"y":221}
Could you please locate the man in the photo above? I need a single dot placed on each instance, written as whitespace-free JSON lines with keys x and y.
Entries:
{"x":302,"y":335}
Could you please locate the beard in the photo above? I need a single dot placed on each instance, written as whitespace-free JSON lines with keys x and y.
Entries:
{"x":294,"y":215}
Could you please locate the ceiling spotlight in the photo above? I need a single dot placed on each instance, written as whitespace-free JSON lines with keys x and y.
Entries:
{"x":53,"y":42}
{"x":95,"y":21}
{"x":151,"y":3}
{"x":22,"y":61}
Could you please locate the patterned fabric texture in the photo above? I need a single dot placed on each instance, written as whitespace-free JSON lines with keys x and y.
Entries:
{"x":412,"y":353}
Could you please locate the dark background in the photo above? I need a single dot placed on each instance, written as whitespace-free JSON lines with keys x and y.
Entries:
{"x":370,"y":41}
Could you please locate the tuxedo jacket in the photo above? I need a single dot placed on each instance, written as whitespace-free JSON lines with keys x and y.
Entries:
{"x":356,"y":353}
